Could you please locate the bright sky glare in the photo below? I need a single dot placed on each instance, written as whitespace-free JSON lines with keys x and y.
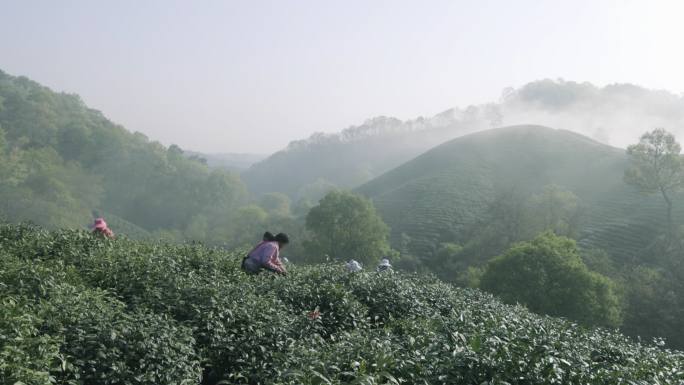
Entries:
{"x":249,"y":76}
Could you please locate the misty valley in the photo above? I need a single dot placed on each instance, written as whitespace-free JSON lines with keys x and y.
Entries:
{"x":535,"y":240}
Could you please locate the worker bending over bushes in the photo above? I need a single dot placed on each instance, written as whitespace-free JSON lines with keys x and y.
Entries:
{"x":266,"y":255}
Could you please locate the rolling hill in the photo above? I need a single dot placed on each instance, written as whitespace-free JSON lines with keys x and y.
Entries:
{"x":441,"y":195}
{"x":616,"y":114}
{"x":306,"y":168}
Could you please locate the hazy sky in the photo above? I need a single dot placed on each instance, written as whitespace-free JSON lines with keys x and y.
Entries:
{"x":249,"y":76}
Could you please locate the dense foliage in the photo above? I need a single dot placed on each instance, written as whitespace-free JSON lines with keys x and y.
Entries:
{"x":84,"y":310}
{"x":548,"y":276}
{"x":346,"y":226}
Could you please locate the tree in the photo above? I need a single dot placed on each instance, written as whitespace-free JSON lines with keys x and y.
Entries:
{"x":556,"y":210}
{"x":275,"y":203}
{"x":248,"y":225}
{"x":346,"y":225}
{"x":657,"y":168}
{"x":4,"y":160}
{"x":506,"y":221}
{"x":3,"y":141}
{"x":315,"y":190}
{"x":448,"y":263}
{"x":652,"y":306}
{"x":548,"y":276}
{"x":508,"y":213}
{"x":72,"y":140}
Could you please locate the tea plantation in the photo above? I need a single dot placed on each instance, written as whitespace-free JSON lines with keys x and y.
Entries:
{"x":82,"y":310}
{"x":443,"y":194}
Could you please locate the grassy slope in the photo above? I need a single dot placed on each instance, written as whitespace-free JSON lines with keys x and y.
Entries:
{"x":437,"y":196}
{"x":146,"y":313}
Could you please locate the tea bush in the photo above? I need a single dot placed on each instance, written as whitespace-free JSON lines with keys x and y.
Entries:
{"x":26,"y":354}
{"x":83,"y":310}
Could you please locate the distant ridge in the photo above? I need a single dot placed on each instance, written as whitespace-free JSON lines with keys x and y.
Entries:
{"x":356,"y":154}
{"x":616,"y":114}
{"x":228,"y":161}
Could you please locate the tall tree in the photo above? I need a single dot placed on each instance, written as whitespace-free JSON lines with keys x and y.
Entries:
{"x":346,"y":225}
{"x":657,"y":168}
{"x":548,"y":276}
{"x":275,"y":203}
{"x":556,"y":209}
{"x":3,"y":141}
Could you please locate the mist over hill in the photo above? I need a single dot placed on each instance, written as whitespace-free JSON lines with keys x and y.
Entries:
{"x":442,"y":195}
{"x":615,"y":114}
{"x":457,"y":207}
{"x":306,"y":168}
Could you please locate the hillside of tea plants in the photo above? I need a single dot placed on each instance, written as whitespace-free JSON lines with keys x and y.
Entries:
{"x":447,"y":194}
{"x":82,"y":310}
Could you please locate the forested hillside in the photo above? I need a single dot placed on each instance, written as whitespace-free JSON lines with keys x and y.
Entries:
{"x":308,"y":168}
{"x":82,"y":309}
{"x":227,"y":161}
{"x":61,"y":163}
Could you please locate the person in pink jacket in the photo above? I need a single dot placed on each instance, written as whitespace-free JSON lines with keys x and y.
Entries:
{"x":266,"y":255}
{"x":100,"y":228}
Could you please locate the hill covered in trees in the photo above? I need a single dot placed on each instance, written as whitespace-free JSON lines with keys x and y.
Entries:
{"x":308,"y":168}
{"x":61,"y":163}
{"x":227,"y":161}
{"x":81,"y":309}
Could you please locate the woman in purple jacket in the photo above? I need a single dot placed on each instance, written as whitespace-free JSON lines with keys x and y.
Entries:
{"x":266,"y":255}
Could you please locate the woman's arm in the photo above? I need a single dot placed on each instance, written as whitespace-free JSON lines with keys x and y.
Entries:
{"x":274,"y":263}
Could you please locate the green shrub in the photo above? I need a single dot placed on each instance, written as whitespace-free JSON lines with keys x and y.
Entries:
{"x":548,"y":276}
{"x":82,"y":310}
{"x":105,"y":344}
{"x":26,"y":354}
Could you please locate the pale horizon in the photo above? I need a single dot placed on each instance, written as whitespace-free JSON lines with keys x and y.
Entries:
{"x":249,"y":77}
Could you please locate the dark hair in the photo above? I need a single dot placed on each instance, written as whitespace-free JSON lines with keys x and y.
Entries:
{"x":282,"y":238}
{"x":268,"y":237}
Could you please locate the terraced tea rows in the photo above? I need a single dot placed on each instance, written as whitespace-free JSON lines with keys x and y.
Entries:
{"x":443,"y":193}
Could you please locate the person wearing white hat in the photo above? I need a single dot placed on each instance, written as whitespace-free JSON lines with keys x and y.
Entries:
{"x":384,"y":265}
{"x":353,"y":266}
